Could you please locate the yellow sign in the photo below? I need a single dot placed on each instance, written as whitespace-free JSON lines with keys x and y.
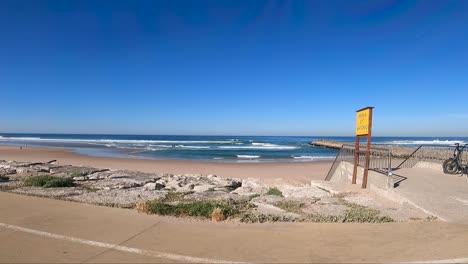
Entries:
{"x":362,"y":122}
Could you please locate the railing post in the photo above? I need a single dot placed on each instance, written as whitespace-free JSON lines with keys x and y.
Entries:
{"x":390,"y":179}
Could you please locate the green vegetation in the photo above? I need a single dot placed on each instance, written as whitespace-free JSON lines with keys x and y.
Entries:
{"x":275,"y":191}
{"x":262,"y":218}
{"x":354,"y":214}
{"x":290,"y":206}
{"x":173,"y":197}
{"x":361,"y":214}
{"x":47,"y":181}
{"x":205,"y":209}
{"x":318,"y":218}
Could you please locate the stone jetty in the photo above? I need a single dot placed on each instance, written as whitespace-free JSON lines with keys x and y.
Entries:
{"x":397,"y":151}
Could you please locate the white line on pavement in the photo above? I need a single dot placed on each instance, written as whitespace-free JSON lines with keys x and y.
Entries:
{"x":115,"y":247}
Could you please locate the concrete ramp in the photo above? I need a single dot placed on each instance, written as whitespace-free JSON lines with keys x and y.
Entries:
{"x":424,"y":186}
{"x":442,"y":195}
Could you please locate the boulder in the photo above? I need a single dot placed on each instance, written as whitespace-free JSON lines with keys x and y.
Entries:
{"x":229,"y":184}
{"x":75,"y":170}
{"x":203,"y":188}
{"x":151,"y":186}
{"x":7,"y":171}
{"x":250,"y":187}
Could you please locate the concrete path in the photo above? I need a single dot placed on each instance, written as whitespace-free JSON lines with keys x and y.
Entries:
{"x":445,"y":196}
{"x":43,"y":230}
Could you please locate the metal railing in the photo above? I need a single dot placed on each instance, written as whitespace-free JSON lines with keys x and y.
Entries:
{"x":380,"y":158}
{"x":429,"y":153}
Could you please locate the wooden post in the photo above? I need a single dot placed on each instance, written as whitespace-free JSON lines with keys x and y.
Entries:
{"x":356,"y":159}
{"x":363,"y":129}
{"x":369,"y":141}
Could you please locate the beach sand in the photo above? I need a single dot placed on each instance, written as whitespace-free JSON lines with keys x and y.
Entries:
{"x":295,"y":173}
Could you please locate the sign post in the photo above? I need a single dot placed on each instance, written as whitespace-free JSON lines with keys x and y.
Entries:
{"x":363,"y":129}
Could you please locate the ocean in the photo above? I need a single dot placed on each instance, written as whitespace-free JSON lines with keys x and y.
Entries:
{"x":206,"y":148}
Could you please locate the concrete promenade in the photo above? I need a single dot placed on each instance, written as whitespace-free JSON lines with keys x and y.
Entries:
{"x":43,"y":230}
{"x":443,"y":195}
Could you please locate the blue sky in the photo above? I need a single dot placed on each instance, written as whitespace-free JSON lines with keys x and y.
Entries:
{"x":234,"y":67}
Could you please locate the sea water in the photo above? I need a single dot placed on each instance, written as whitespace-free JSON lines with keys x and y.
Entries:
{"x":207,"y":148}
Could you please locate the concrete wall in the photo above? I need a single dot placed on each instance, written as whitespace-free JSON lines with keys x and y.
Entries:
{"x":375,"y":180}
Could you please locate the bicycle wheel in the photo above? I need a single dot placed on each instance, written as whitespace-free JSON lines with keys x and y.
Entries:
{"x":450,"y":166}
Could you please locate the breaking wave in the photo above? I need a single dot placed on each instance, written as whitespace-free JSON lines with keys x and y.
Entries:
{"x":425,"y":142}
{"x":248,"y":156}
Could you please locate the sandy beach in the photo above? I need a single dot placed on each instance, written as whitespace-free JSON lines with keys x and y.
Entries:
{"x":285,"y":172}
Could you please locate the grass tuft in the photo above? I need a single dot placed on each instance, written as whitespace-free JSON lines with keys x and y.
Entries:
{"x":361,"y":214}
{"x":47,"y":181}
{"x":217,"y":215}
{"x":290,"y":206}
{"x":263,"y":218}
{"x":215,"y":210}
{"x":275,"y":191}
{"x":173,"y":197}
{"x":197,"y":208}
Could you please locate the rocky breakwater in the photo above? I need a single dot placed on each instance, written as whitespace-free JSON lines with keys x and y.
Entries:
{"x":397,"y":151}
{"x":195,"y":195}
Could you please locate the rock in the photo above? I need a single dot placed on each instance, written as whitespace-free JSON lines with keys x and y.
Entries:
{"x":50,"y":192}
{"x":251,"y":187}
{"x":7,"y":171}
{"x":186,"y":188}
{"x":213,"y":196}
{"x":304,"y":192}
{"x":267,"y":199}
{"x":75,"y":170}
{"x":80,"y":178}
{"x":41,"y":168}
{"x":230,"y":184}
{"x":203,"y":188}
{"x":151,"y":186}
{"x":5,"y":166}
{"x":121,"y":198}
{"x":22,"y":170}
{"x":122,"y":179}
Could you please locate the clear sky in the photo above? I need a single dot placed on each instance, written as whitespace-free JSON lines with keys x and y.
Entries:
{"x":233,"y":67}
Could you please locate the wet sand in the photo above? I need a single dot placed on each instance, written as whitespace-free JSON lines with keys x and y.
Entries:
{"x":282,"y":172}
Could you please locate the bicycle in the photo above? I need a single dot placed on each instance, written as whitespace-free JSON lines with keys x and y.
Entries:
{"x":455,"y":164}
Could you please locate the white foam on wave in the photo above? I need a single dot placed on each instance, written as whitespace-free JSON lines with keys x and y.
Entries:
{"x":305,"y":157}
{"x":264,"y":144}
{"x":153,"y":149}
{"x":19,"y":138}
{"x":425,"y":142}
{"x":162,"y":146}
{"x":248,"y":156}
{"x":192,"y":147}
{"x":276,"y":147}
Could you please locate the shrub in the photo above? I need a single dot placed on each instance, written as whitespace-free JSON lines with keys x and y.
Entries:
{"x":47,"y":181}
{"x":274,"y":191}
{"x":204,"y":209}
